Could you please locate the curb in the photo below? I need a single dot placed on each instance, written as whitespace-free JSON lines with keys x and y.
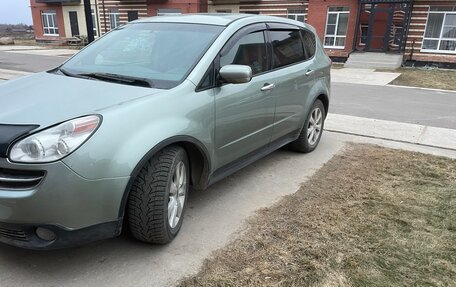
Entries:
{"x":393,"y":131}
{"x":421,"y":88}
{"x":12,"y":74}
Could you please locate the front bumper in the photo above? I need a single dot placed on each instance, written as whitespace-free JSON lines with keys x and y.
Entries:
{"x":76,"y":209}
{"x":25,"y":235}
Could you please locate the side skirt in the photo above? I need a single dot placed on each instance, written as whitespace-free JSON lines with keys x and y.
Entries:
{"x":246,"y":160}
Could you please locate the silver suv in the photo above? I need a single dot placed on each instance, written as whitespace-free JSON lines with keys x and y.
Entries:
{"x":116,"y":136}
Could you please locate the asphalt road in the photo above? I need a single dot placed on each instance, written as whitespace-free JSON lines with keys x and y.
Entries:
{"x":28,"y":63}
{"x":416,"y":106}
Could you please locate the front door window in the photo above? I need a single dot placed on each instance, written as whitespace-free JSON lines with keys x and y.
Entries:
{"x":250,"y":50}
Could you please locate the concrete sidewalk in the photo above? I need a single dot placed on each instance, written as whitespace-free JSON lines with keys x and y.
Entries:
{"x":38,"y":50}
{"x":362,"y":76}
{"x":393,"y":131}
{"x":11,"y":74}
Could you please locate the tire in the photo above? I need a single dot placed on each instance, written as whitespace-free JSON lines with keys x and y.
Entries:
{"x":305,"y":142}
{"x":157,"y":193}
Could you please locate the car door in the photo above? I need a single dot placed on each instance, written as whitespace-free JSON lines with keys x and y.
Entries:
{"x":292,"y":68}
{"x":244,"y":113}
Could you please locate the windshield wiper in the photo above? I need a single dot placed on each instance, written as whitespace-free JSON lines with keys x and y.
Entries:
{"x":129,"y":80}
{"x":69,"y":74}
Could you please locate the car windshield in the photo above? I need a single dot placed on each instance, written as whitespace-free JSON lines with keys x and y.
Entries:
{"x":160,"y":54}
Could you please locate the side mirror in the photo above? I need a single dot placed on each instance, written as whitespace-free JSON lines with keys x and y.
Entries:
{"x":236,"y":74}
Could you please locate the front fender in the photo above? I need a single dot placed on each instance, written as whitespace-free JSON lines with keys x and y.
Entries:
{"x":127,"y":134}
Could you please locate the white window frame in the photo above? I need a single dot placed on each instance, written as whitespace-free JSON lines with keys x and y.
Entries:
{"x":114,"y":14}
{"x":50,"y":15}
{"x":335,"y":36}
{"x":294,"y":15}
{"x":440,"y":39}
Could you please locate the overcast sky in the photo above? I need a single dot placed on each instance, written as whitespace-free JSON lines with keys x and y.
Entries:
{"x":15,"y":12}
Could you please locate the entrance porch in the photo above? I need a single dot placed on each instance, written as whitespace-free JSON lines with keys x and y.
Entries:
{"x":382,"y":25}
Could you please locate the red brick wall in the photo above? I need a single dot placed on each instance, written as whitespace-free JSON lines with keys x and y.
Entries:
{"x":37,"y":8}
{"x":186,"y":6}
{"x":317,"y":15}
{"x":272,"y":7}
{"x":416,"y":33}
{"x":147,"y":8}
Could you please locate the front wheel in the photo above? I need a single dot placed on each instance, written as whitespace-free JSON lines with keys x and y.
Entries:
{"x":312,"y":130}
{"x":157,"y":199}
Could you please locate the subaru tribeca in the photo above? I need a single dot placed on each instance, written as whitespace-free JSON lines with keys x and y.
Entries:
{"x":117,"y":136}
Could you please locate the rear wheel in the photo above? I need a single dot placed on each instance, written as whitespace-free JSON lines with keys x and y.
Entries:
{"x":312,"y":130}
{"x":157,"y":199}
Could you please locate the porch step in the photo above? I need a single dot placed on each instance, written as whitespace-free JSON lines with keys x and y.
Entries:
{"x":370,"y":60}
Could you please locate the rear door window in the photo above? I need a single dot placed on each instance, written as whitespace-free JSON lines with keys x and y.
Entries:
{"x":287,"y":47}
{"x":308,"y":39}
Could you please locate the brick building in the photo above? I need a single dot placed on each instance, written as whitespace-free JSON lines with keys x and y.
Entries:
{"x":58,"y":20}
{"x":423,"y":31}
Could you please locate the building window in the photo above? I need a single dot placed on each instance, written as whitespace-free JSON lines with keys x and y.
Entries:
{"x":363,"y":29}
{"x":297,"y":15}
{"x":94,"y":23}
{"x":114,"y":18}
{"x":223,"y":11}
{"x":168,"y":12}
{"x":336,"y":27}
{"x":132,"y":15}
{"x":50,"y":27}
{"x":440,"y":33}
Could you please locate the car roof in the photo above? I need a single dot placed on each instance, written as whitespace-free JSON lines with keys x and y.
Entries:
{"x":219,"y":19}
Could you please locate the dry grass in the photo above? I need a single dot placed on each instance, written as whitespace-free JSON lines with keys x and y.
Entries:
{"x":437,"y":79}
{"x":337,"y":66}
{"x":370,"y":217}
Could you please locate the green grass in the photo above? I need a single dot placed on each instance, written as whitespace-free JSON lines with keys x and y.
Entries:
{"x":370,"y":217}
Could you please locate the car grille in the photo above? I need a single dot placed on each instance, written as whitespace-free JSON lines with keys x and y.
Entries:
{"x":20,"y":179}
{"x":13,"y":234}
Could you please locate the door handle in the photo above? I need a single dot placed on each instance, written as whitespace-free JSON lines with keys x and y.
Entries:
{"x":267,"y":87}
{"x":309,"y":72}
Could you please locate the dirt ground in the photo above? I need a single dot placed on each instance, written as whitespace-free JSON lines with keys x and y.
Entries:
{"x":419,"y":77}
{"x":370,"y":217}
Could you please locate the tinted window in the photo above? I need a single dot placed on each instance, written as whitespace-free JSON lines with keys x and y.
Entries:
{"x":287,"y":47}
{"x":208,"y":79}
{"x":250,"y":50}
{"x":309,"y":43}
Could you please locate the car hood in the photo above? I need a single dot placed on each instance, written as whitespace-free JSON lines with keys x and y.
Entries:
{"x":46,"y":99}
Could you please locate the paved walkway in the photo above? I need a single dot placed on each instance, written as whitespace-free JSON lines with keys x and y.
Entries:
{"x":38,"y":50}
{"x":11,"y":74}
{"x":393,"y":131}
{"x":362,"y":76}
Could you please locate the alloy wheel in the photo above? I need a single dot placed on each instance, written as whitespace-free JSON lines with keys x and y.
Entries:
{"x":314,"y":126}
{"x":177,"y":194}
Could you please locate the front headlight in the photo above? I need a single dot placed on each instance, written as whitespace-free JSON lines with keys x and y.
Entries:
{"x":54,"y":143}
